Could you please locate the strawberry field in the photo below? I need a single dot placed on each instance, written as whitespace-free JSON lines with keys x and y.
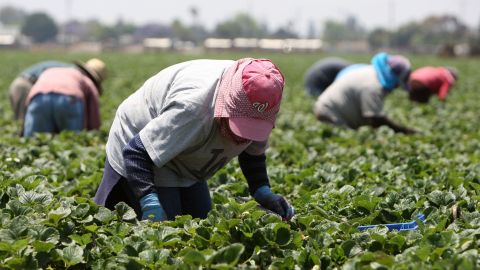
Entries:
{"x":337,"y":179}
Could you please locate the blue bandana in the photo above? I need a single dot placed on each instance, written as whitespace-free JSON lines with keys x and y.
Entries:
{"x":385,"y":74}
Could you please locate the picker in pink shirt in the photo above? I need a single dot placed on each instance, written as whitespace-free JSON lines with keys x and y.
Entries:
{"x":427,"y":81}
{"x":65,"y":98}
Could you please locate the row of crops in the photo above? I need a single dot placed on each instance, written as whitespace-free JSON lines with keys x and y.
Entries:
{"x":335,"y":178}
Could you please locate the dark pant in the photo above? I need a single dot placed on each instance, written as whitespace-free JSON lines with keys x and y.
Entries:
{"x":419,"y":92}
{"x":194,"y":200}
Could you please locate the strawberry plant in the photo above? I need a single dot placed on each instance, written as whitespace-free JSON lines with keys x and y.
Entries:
{"x":336,"y":178}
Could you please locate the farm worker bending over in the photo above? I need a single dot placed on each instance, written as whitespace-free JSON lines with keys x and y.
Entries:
{"x":65,"y":98}
{"x":357,"y":98}
{"x":184,"y":124}
{"x":319,"y":76}
{"x":427,"y":81}
{"x":21,"y":85}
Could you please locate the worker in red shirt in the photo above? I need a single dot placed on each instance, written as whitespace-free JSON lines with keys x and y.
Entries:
{"x":426,"y":81}
{"x":65,"y":98}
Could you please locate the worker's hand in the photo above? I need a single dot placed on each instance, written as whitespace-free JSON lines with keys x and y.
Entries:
{"x":151,"y":208}
{"x":273,"y":202}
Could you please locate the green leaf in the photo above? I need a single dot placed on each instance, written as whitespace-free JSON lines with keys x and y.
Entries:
{"x":46,"y":234}
{"x":154,"y":256}
{"x":338,"y":254}
{"x":194,"y":257}
{"x":227,"y":255}
{"x":5,"y":246}
{"x":81,"y":211}
{"x":82,"y":240}
{"x":125,"y":212}
{"x":58,"y":214}
{"x":115,"y":244}
{"x":91,"y":228}
{"x":440,"y":198}
{"x":346,"y":189}
{"x":19,"y":245}
{"x":423,"y":252}
{"x":282,"y":235}
{"x":366,"y":202}
{"x":72,"y":255}
{"x":350,"y":248}
{"x":41,"y":246}
{"x":33,"y":198}
{"x":18,"y":209}
{"x":119,"y":229}
{"x":104,"y":215}
{"x":23,"y":262}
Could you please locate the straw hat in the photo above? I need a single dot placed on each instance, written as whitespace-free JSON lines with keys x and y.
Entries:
{"x":95,"y":69}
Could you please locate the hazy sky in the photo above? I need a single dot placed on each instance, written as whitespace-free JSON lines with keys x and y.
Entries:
{"x":275,"y":13}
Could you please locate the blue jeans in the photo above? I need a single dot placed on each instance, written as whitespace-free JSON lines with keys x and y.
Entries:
{"x":53,"y":113}
{"x":194,"y":200}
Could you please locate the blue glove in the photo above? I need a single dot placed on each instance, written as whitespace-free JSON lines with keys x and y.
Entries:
{"x":151,"y":208}
{"x":273,"y":202}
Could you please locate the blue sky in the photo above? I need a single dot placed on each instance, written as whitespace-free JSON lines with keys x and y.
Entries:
{"x":275,"y":13}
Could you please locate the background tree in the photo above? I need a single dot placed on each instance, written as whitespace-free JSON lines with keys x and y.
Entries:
{"x":286,"y":31}
{"x":93,"y":30}
{"x":405,"y":36}
{"x":350,"y":30}
{"x":199,"y":32}
{"x":181,"y":31}
{"x":12,"y":16}
{"x":152,"y":30}
{"x":379,"y":38}
{"x":445,"y":29}
{"x":430,"y":34}
{"x":242,"y":25}
{"x":40,"y":27}
{"x":474,"y":41}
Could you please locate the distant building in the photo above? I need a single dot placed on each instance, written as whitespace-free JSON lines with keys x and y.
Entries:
{"x":349,"y":46}
{"x":264,"y":44}
{"x":11,"y":37}
{"x":157,"y":44}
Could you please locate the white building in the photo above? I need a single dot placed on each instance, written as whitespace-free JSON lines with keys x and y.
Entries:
{"x":11,"y":37}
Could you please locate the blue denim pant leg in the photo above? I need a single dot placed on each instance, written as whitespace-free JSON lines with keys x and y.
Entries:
{"x":39,"y":116}
{"x":68,"y":112}
{"x":53,"y":113}
{"x":194,"y":200}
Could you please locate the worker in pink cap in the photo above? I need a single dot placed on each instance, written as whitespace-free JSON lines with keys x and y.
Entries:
{"x":183,"y":125}
{"x":427,"y":81}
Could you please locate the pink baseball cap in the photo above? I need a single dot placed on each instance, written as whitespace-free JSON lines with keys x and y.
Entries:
{"x":249,"y":95}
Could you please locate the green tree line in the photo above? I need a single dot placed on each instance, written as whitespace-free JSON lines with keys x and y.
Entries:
{"x":423,"y":35}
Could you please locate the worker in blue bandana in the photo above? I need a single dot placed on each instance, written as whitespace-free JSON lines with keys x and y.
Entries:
{"x":356,"y":98}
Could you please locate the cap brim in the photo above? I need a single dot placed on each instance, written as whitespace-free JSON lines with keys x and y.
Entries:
{"x":251,"y":128}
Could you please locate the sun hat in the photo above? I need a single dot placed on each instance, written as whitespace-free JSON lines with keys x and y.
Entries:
{"x":451,"y":76}
{"x":453,"y":71}
{"x":249,"y":95}
{"x":95,"y":69}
